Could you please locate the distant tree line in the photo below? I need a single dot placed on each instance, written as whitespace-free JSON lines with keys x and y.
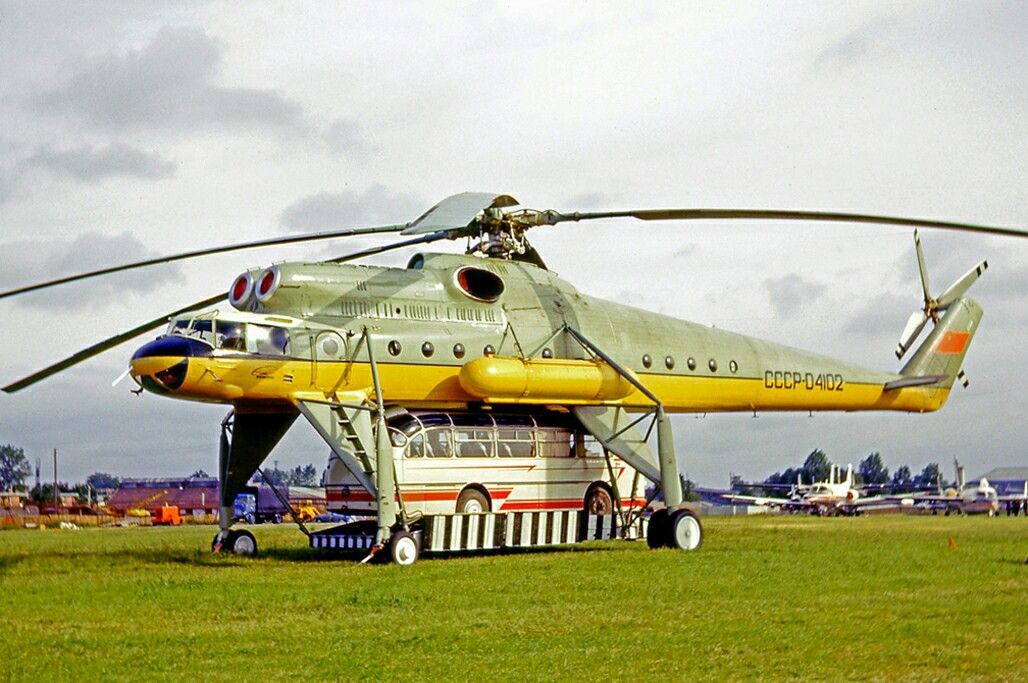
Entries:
{"x":301,"y":475}
{"x":15,"y":471}
{"x":869,"y":471}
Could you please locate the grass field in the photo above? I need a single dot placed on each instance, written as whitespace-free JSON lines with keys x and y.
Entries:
{"x":765,"y":598}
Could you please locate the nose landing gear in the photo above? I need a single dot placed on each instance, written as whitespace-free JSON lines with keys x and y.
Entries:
{"x":235,"y":541}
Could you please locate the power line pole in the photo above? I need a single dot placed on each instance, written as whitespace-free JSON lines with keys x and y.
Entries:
{"x":56,"y":505}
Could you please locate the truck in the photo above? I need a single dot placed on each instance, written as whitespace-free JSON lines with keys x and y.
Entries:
{"x":258,"y":504}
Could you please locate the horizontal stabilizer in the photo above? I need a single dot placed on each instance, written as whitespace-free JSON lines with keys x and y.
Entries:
{"x":917,"y":381}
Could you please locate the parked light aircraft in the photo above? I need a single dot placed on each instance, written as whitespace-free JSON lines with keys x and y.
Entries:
{"x":349,"y":347}
{"x":964,"y":498}
{"x":834,"y":495}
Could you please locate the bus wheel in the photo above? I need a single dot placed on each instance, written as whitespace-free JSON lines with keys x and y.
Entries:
{"x":403,"y":548}
{"x":472,"y":502}
{"x":598,"y":501}
{"x":657,"y":529}
{"x":686,"y":532}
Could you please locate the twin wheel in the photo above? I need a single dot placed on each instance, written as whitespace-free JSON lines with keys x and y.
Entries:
{"x":679,"y":529}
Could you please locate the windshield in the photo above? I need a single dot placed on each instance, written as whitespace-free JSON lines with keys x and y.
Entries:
{"x":235,"y":336}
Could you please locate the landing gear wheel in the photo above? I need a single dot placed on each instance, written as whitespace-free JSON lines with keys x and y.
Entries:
{"x":403,"y":548}
{"x":472,"y":501}
{"x":657,"y":530}
{"x":686,"y":533}
{"x":599,"y":502}
{"x":237,"y":542}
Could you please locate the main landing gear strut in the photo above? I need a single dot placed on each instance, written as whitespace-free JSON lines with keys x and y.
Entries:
{"x":674,"y":526}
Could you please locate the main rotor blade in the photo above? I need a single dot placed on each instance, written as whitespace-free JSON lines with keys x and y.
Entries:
{"x":370,"y":251}
{"x":776,"y":214}
{"x":457,"y":211}
{"x":111,"y":342}
{"x":274,"y":241}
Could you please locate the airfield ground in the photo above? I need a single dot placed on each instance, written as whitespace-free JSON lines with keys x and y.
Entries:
{"x":765,"y":598}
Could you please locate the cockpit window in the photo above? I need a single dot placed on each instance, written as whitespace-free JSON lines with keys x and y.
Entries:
{"x":265,"y":340}
{"x":235,"y":336}
{"x":231,"y":336}
{"x":196,"y":329}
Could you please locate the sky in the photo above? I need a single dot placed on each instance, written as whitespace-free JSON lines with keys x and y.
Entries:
{"x":130,"y":130}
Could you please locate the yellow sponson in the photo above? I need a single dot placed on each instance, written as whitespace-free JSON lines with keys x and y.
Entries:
{"x":556,"y":379}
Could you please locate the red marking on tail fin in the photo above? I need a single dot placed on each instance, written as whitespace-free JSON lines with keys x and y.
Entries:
{"x":952,"y":343}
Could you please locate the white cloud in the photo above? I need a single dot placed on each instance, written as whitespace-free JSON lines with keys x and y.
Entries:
{"x":90,"y":164}
{"x":169,"y":84}
{"x":353,"y":115}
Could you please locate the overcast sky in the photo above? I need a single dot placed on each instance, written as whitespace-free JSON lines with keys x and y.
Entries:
{"x":128,"y":130}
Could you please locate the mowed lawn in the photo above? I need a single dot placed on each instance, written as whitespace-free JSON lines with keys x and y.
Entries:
{"x":765,"y":598}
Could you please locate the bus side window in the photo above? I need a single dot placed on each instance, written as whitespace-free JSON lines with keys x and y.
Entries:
{"x":515,"y":443}
{"x":473,"y":443}
{"x":438,"y":442}
{"x":554,"y":443}
{"x":416,"y":447}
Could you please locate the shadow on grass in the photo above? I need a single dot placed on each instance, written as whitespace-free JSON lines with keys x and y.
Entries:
{"x":311,"y":555}
{"x":9,"y":563}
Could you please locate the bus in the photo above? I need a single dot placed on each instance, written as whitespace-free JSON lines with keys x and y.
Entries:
{"x":467,"y":463}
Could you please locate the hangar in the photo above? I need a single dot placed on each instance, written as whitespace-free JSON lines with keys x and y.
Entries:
{"x":1007,"y":480}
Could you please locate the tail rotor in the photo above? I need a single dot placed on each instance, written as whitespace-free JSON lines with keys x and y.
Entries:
{"x":933,"y":306}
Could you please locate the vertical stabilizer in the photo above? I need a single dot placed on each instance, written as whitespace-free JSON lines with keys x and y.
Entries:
{"x":942,"y":353}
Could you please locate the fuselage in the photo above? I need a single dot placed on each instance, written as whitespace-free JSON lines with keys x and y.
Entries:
{"x":451,"y":331}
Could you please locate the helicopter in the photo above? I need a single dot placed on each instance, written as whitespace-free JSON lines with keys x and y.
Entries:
{"x":486,"y":341}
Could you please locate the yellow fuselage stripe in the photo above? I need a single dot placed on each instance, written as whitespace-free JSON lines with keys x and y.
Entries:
{"x":240,"y":380}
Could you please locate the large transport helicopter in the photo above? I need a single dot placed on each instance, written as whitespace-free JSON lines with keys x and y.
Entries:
{"x":491,"y":352}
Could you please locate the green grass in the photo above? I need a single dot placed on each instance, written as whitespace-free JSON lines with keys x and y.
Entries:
{"x":765,"y":598}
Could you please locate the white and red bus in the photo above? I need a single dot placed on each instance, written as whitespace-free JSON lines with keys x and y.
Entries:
{"x":480,"y":462}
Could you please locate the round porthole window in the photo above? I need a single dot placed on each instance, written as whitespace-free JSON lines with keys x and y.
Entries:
{"x":330,"y":347}
{"x":427,"y":349}
{"x":547,"y":353}
{"x":733,"y":366}
{"x":394,"y":348}
{"x":669,"y":362}
{"x":488,"y":350}
{"x":712,"y":364}
{"x":458,"y":350}
{"x":691,"y":363}
{"x":647,"y":361}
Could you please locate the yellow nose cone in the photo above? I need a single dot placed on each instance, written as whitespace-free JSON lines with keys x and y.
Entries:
{"x":151,"y":365}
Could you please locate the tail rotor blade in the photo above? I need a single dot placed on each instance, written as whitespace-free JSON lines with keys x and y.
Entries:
{"x":911,"y":332}
{"x":922,"y":268}
{"x":958,"y":288}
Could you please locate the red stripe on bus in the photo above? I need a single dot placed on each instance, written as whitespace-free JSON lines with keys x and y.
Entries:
{"x":354,"y":495}
{"x":573,"y":503}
